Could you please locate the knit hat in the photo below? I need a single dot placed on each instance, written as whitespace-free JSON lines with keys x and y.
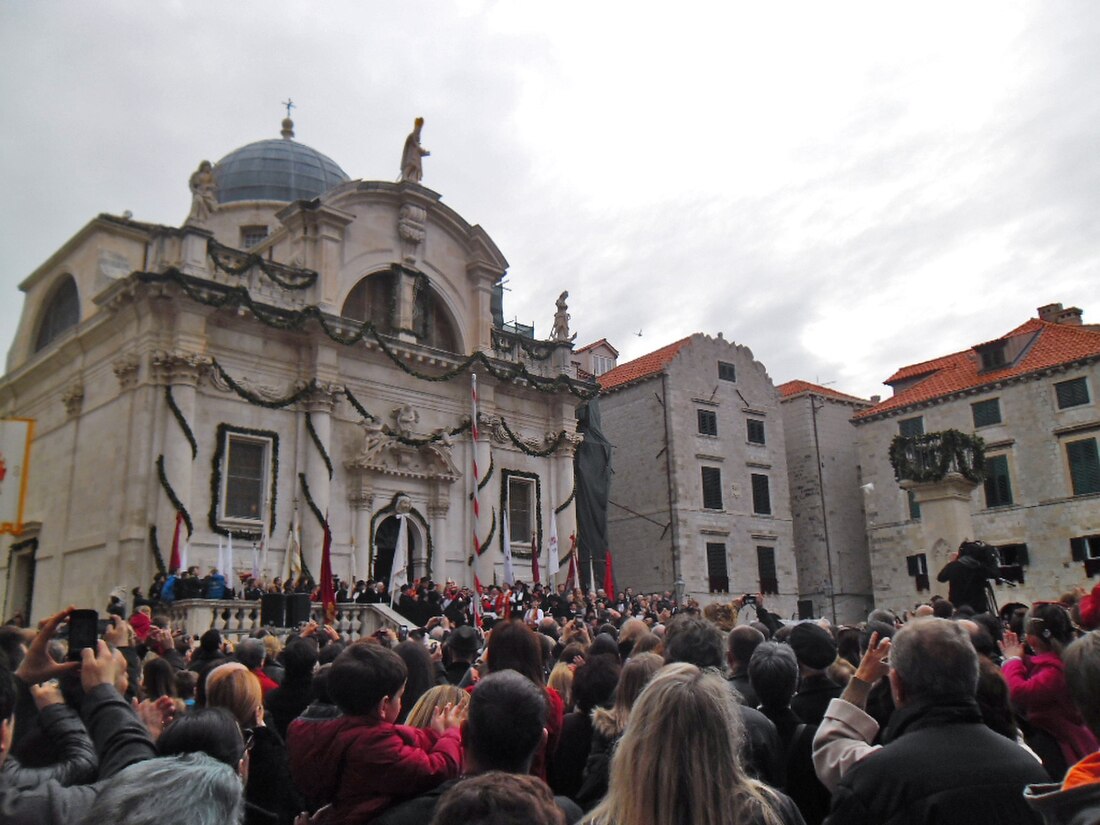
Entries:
{"x":813,"y":646}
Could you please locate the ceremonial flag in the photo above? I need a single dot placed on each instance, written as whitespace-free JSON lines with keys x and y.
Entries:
{"x":185,"y":552}
{"x":572,"y":576}
{"x":400,"y":562}
{"x":328,"y":592}
{"x":536,"y":578}
{"x":552,"y":560}
{"x":221,"y":554}
{"x":265,"y":540}
{"x":256,"y":561}
{"x":16,"y":435}
{"x":174,"y":560}
{"x":509,"y":571}
{"x":229,"y":557}
{"x":608,"y":578}
{"x":293,"y":566}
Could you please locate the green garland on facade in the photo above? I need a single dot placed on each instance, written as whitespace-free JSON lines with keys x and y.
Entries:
{"x":489,"y":538}
{"x":308,"y":277}
{"x":163,"y":477}
{"x":205,"y":292}
{"x":154,"y":545}
{"x":488,"y":473}
{"x":930,"y":457}
{"x":177,"y":413}
{"x":252,"y":398}
{"x":568,"y":501}
{"x":507,"y":342}
{"x":316,"y":439}
{"x":359,"y":408}
{"x":431,"y":439}
{"x":558,"y":439}
{"x":216,"y":481}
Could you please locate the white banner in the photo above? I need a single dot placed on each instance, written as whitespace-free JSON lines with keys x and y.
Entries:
{"x":15,"y":454}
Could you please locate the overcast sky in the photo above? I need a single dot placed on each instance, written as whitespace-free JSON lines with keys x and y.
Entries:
{"x":844,"y":188}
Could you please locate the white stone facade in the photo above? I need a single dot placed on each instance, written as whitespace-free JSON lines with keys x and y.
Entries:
{"x":666,"y":426}
{"x":830,"y":534}
{"x":165,"y":321}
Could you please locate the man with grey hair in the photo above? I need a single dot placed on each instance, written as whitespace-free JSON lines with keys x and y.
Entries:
{"x":940,"y":765}
{"x":1076,"y":799}
{"x":192,"y":788}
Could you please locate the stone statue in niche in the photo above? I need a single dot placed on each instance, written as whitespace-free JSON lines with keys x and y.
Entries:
{"x":412,"y":167}
{"x":204,"y":193}
{"x":561,"y":321}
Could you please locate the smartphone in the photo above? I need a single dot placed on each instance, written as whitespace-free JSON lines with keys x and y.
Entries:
{"x":402,"y":633}
{"x":83,"y":632}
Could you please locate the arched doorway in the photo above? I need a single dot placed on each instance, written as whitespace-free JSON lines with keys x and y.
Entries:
{"x":385,"y":544}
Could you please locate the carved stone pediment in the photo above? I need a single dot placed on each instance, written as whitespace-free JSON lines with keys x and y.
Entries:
{"x":404,"y":455}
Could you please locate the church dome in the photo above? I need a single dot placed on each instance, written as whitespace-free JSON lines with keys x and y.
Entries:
{"x":276,"y":170}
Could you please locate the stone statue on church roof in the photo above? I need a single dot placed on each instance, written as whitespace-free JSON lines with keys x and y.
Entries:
{"x":204,"y":193}
{"x":412,"y":167}
{"x":560,"y":331}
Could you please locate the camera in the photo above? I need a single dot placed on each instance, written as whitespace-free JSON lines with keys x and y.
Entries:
{"x":748,"y":598}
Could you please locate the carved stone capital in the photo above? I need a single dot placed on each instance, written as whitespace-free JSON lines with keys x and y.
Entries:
{"x":323,"y":397}
{"x":439,"y":509}
{"x":73,"y":397}
{"x":178,"y":367}
{"x":126,"y":370}
{"x":361,"y":499}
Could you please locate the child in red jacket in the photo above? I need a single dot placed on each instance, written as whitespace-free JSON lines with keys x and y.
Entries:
{"x":361,"y":763}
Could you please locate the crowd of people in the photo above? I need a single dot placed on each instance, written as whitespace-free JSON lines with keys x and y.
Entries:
{"x":560,"y":706}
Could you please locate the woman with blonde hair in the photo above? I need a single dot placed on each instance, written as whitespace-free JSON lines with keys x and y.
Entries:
{"x":657,"y":779}
{"x":561,"y":680}
{"x":436,"y":699}
{"x":236,"y":689}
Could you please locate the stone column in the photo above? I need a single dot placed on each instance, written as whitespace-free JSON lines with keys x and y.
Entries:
{"x":319,"y":407}
{"x":437,"y":517}
{"x":945,"y":509}
{"x":562,"y":468}
{"x":179,"y":370}
{"x":361,"y":500}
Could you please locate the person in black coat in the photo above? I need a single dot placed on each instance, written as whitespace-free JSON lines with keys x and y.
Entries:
{"x":285,"y":703}
{"x":940,"y":764}
{"x":815,"y":649}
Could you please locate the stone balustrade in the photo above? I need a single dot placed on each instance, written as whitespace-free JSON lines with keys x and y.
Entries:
{"x":237,"y":618}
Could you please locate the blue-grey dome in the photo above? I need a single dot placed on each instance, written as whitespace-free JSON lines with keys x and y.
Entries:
{"x":275,"y":170}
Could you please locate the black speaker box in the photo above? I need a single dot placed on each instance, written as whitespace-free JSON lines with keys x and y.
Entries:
{"x":273,"y":609}
{"x":297,"y":609}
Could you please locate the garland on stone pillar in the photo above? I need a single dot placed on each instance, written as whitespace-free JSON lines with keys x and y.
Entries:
{"x":163,"y":477}
{"x":177,"y":413}
{"x":316,"y":439}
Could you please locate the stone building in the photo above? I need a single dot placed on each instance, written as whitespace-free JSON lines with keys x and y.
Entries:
{"x":699,"y":492}
{"x":830,"y":534}
{"x":1031,"y":395}
{"x":300,"y":350}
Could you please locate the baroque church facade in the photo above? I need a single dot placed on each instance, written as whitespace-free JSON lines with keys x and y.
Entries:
{"x":301,"y":351}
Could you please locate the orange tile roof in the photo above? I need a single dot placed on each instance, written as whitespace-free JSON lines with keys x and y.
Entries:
{"x":1056,"y":344}
{"x":796,"y":387}
{"x":644,"y":367}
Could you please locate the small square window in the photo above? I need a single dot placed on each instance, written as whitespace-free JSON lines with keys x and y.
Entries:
{"x":252,"y":235}
{"x":1084,"y":466}
{"x":1072,"y":393}
{"x":917,"y":566}
{"x":761,"y":495}
{"x":998,"y":487}
{"x":914,"y":506}
{"x":910,"y":427}
{"x":755,"y":428}
{"x":986,"y":412}
{"x":1083,"y":548}
{"x":717,"y":570}
{"x":708,"y":422}
{"x":712,"y":488}
{"x":727,"y":371}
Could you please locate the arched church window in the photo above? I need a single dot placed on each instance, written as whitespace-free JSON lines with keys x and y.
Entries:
{"x":431,"y":320}
{"x":373,"y":299}
{"x":62,"y":312}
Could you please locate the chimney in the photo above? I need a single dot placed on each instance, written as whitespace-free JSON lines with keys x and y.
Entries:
{"x":1055,"y":314}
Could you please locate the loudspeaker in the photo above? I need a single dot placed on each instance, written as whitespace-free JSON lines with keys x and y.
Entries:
{"x":805,"y":609}
{"x":297,"y":609}
{"x":273,"y":609}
